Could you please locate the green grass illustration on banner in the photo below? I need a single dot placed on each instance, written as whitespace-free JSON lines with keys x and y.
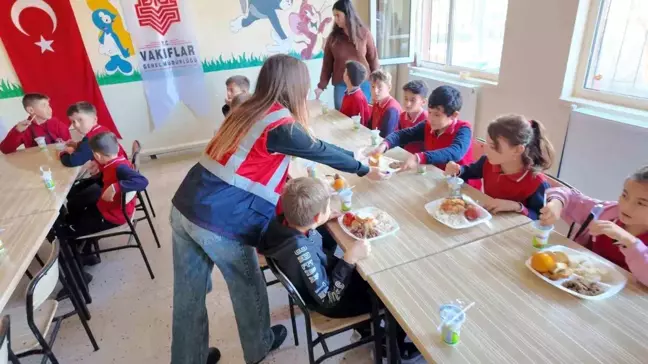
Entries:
{"x":9,"y":89}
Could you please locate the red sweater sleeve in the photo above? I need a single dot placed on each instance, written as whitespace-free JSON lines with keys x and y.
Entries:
{"x":327,"y":64}
{"x":62,"y":130}
{"x":12,"y":141}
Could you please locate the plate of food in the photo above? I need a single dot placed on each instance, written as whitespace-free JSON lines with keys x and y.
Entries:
{"x":384,"y":163}
{"x":368,"y":223}
{"x":581,"y":274}
{"x":458,"y":212}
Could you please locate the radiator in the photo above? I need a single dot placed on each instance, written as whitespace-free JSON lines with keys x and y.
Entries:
{"x":601,"y":151}
{"x":468,"y":91}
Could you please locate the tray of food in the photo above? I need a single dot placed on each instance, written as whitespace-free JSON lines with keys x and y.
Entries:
{"x":458,"y":212}
{"x":368,"y":223}
{"x":581,"y":274}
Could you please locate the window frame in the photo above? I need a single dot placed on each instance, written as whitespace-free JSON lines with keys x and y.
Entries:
{"x":586,"y":49}
{"x":373,"y":19}
{"x":448,"y":67}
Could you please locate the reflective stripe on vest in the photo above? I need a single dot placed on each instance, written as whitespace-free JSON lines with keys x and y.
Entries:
{"x":228,"y":174}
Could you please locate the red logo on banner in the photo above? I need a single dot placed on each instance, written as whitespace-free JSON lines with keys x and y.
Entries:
{"x":157,"y":14}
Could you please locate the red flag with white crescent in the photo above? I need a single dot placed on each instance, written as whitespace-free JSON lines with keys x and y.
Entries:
{"x":47,"y":52}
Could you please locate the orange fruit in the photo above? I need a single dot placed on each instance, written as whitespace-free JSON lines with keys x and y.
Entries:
{"x":543,"y":262}
{"x":338,"y":184}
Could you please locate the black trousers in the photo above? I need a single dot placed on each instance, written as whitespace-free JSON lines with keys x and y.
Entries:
{"x":83,"y":216}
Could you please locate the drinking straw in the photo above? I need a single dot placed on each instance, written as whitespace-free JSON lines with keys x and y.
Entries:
{"x":457,"y":315}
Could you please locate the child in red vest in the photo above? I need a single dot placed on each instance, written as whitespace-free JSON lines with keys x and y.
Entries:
{"x":445,"y":138}
{"x":118,"y":178}
{"x":415,"y":94}
{"x":39,"y":123}
{"x":354,"y":101}
{"x":517,"y":150}
{"x":386,"y":110}
{"x":619,"y":234}
{"x":83,"y":117}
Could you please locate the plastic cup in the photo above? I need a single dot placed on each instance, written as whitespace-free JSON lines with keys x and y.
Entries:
{"x":357,"y":122}
{"x":420,"y":169}
{"x":325,"y":109}
{"x":375,"y":137}
{"x":346,"y":197}
{"x":41,"y":142}
{"x":455,"y":184}
{"x":46,"y":175}
{"x":452,"y":318}
{"x":541,"y":234}
{"x":60,"y":144}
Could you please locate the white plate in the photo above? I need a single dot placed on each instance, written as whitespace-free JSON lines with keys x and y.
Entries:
{"x":384,"y":162}
{"x":433,"y":209}
{"x":365,"y":212}
{"x":613,"y":281}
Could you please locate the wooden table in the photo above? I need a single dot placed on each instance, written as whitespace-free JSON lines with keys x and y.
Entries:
{"x":403,"y":197}
{"x":27,"y":209}
{"x":518,"y":318}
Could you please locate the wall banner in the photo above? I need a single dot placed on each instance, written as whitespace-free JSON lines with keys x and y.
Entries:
{"x":167,"y":52}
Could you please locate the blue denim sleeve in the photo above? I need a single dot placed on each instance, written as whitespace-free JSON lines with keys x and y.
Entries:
{"x":389,"y":122}
{"x":535,"y":202}
{"x":291,"y":139}
{"x":473,"y":171}
{"x":455,"y":152}
{"x":402,"y":137}
{"x":80,"y":156}
{"x":326,"y":289}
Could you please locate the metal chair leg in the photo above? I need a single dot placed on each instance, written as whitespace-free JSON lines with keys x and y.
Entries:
{"x":39,"y":260}
{"x":293,"y":320}
{"x":29,"y":275}
{"x":148,"y":199}
{"x":141,"y":249}
{"x":309,"y":340}
{"x":79,"y":313}
{"x":150,"y":222}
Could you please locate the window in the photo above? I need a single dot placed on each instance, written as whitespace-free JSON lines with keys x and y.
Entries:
{"x":613,"y":66}
{"x":462,"y":35}
{"x":391,"y":26}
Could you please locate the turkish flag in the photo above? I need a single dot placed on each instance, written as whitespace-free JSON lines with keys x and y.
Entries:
{"x":45,"y":47}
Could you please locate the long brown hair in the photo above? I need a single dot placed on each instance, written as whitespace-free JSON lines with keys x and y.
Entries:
{"x":283,"y":79}
{"x":517,"y":130}
{"x":354,"y":25}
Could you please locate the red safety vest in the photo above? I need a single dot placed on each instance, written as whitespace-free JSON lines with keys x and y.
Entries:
{"x":251,"y":167}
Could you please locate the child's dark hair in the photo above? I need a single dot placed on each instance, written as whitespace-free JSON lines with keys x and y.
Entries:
{"x":417,"y":87}
{"x":357,"y":72}
{"x":239,"y":99}
{"x":241,"y":81}
{"x":517,"y":130}
{"x":447,"y":97}
{"x":104,"y":143}
{"x":81,"y":107}
{"x":640,"y":175}
{"x":30,"y":99}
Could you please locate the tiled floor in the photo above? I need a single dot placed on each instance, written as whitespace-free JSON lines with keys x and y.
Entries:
{"x":132,"y":313}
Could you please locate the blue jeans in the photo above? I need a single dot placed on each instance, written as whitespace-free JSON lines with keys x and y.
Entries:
{"x":195,"y":250}
{"x":340,"y":88}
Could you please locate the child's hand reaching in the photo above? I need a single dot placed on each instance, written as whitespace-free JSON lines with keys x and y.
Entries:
{"x":359,"y":250}
{"x":550,"y":214}
{"x":613,"y":231}
{"x":452,"y":169}
{"x":109,"y":193}
{"x":496,"y":205}
{"x":411,"y":163}
{"x":380,"y":149}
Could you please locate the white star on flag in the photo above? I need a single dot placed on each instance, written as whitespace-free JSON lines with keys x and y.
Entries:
{"x":45,"y":45}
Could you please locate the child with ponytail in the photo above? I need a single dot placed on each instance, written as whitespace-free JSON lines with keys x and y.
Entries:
{"x":517,"y":151}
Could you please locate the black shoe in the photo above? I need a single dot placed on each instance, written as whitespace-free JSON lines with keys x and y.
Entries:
{"x":90,"y":260}
{"x":87,"y":277}
{"x":214,"y":356}
{"x":280,"y":333}
{"x":62,"y":295}
{"x":409,"y":353}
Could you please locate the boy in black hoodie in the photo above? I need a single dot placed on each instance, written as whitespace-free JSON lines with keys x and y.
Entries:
{"x":304,"y":251}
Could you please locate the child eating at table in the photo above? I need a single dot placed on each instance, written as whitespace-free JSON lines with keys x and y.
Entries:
{"x":445,"y":138}
{"x":354,"y":101}
{"x":83,"y":117}
{"x":619,"y":234}
{"x":386,"y":110}
{"x":304,"y":250}
{"x":236,"y":85}
{"x":517,"y":150}
{"x":39,"y":123}
{"x":415,"y":94}
{"x":118,"y":178}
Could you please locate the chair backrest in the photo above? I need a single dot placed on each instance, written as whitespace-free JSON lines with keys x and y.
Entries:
{"x":135,"y":154}
{"x":555,"y":182}
{"x":4,"y":340}
{"x":44,"y":282}
{"x":478,"y":145}
{"x":292,"y":291}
